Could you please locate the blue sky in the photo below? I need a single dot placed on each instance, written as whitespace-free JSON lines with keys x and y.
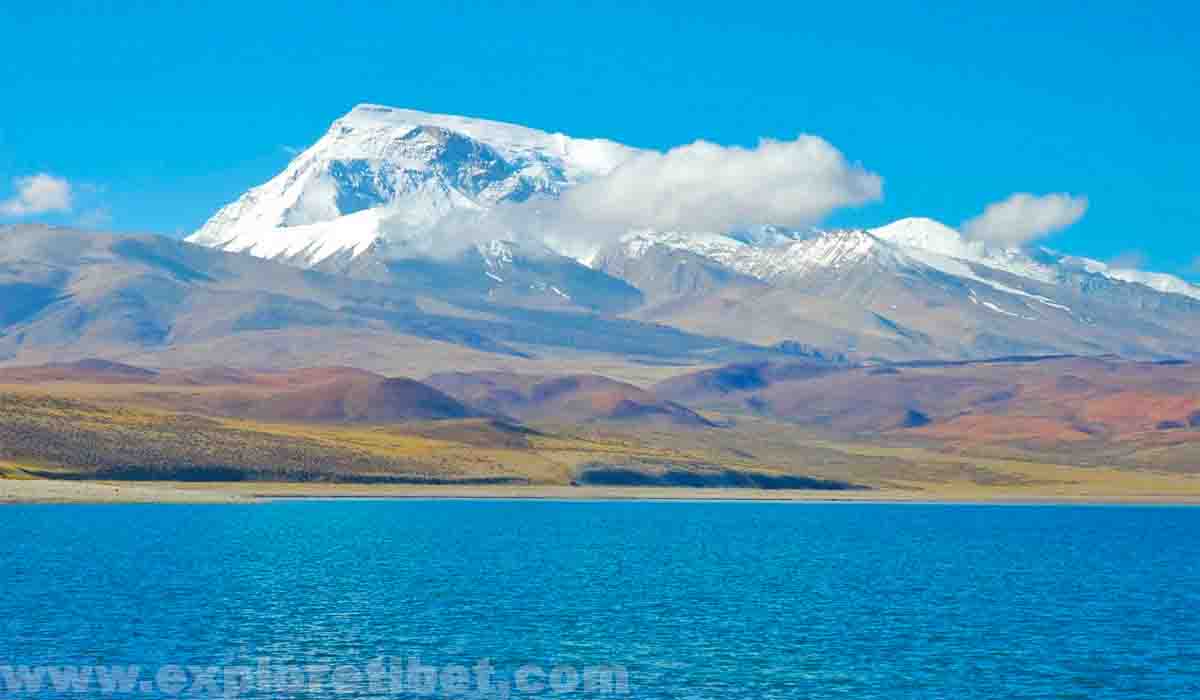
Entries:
{"x":158,"y":114}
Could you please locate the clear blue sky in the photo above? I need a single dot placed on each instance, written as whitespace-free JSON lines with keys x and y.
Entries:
{"x":162,"y":112}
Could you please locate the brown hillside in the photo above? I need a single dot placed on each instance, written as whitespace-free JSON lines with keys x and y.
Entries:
{"x":1050,"y":400}
{"x":89,"y":370}
{"x":575,"y":398}
{"x":359,"y":398}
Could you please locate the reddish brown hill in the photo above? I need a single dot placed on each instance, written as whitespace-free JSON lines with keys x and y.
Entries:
{"x":91,"y":370}
{"x":208,"y":376}
{"x":352,"y":396}
{"x":709,"y":384}
{"x":319,"y":394}
{"x":1055,"y":400}
{"x":573,"y":398}
{"x":95,"y":370}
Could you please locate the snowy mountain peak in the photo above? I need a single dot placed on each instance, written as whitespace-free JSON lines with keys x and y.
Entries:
{"x":1157,"y":281}
{"x":790,"y":256}
{"x":925,"y":238}
{"x":383,"y":178}
{"x":927,"y":234}
{"x":386,"y":174}
{"x":579,"y":158}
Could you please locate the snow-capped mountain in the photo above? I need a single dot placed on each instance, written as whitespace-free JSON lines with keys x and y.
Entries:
{"x":789,"y":257}
{"x":382,"y":175}
{"x":827,"y":257}
{"x":908,"y":242}
{"x":914,"y":288}
{"x":390,"y":175}
{"x":368,"y":198}
{"x":1045,"y":265}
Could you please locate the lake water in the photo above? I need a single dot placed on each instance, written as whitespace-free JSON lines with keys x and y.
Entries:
{"x":592,"y":599}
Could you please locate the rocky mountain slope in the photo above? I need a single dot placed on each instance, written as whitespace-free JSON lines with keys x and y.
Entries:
{"x":899,"y":293}
{"x":67,"y":294}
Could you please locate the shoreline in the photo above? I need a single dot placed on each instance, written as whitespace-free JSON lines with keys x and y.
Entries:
{"x":50,"y":491}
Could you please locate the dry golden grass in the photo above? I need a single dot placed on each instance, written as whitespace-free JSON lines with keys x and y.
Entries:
{"x":12,"y":470}
{"x":104,"y":430}
{"x":69,"y":436}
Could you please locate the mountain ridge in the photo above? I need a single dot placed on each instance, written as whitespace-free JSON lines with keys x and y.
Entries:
{"x":386,"y":175}
{"x":356,"y":235}
{"x":144,"y":299}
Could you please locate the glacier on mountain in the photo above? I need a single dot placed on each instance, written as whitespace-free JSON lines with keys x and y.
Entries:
{"x":393,"y":174}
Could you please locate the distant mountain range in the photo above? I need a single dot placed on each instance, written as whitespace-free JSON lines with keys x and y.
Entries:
{"x":896,"y":293}
{"x":349,"y":256}
{"x":368,"y":197}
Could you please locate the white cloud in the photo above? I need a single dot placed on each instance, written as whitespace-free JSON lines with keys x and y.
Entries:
{"x":38,"y":194}
{"x":700,"y":187}
{"x":1025,"y":217}
{"x":707,"y":187}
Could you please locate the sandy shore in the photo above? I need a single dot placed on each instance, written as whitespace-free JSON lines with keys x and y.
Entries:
{"x":53,"y":491}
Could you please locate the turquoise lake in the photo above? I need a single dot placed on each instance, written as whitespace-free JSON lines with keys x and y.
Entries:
{"x":686,"y":600}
